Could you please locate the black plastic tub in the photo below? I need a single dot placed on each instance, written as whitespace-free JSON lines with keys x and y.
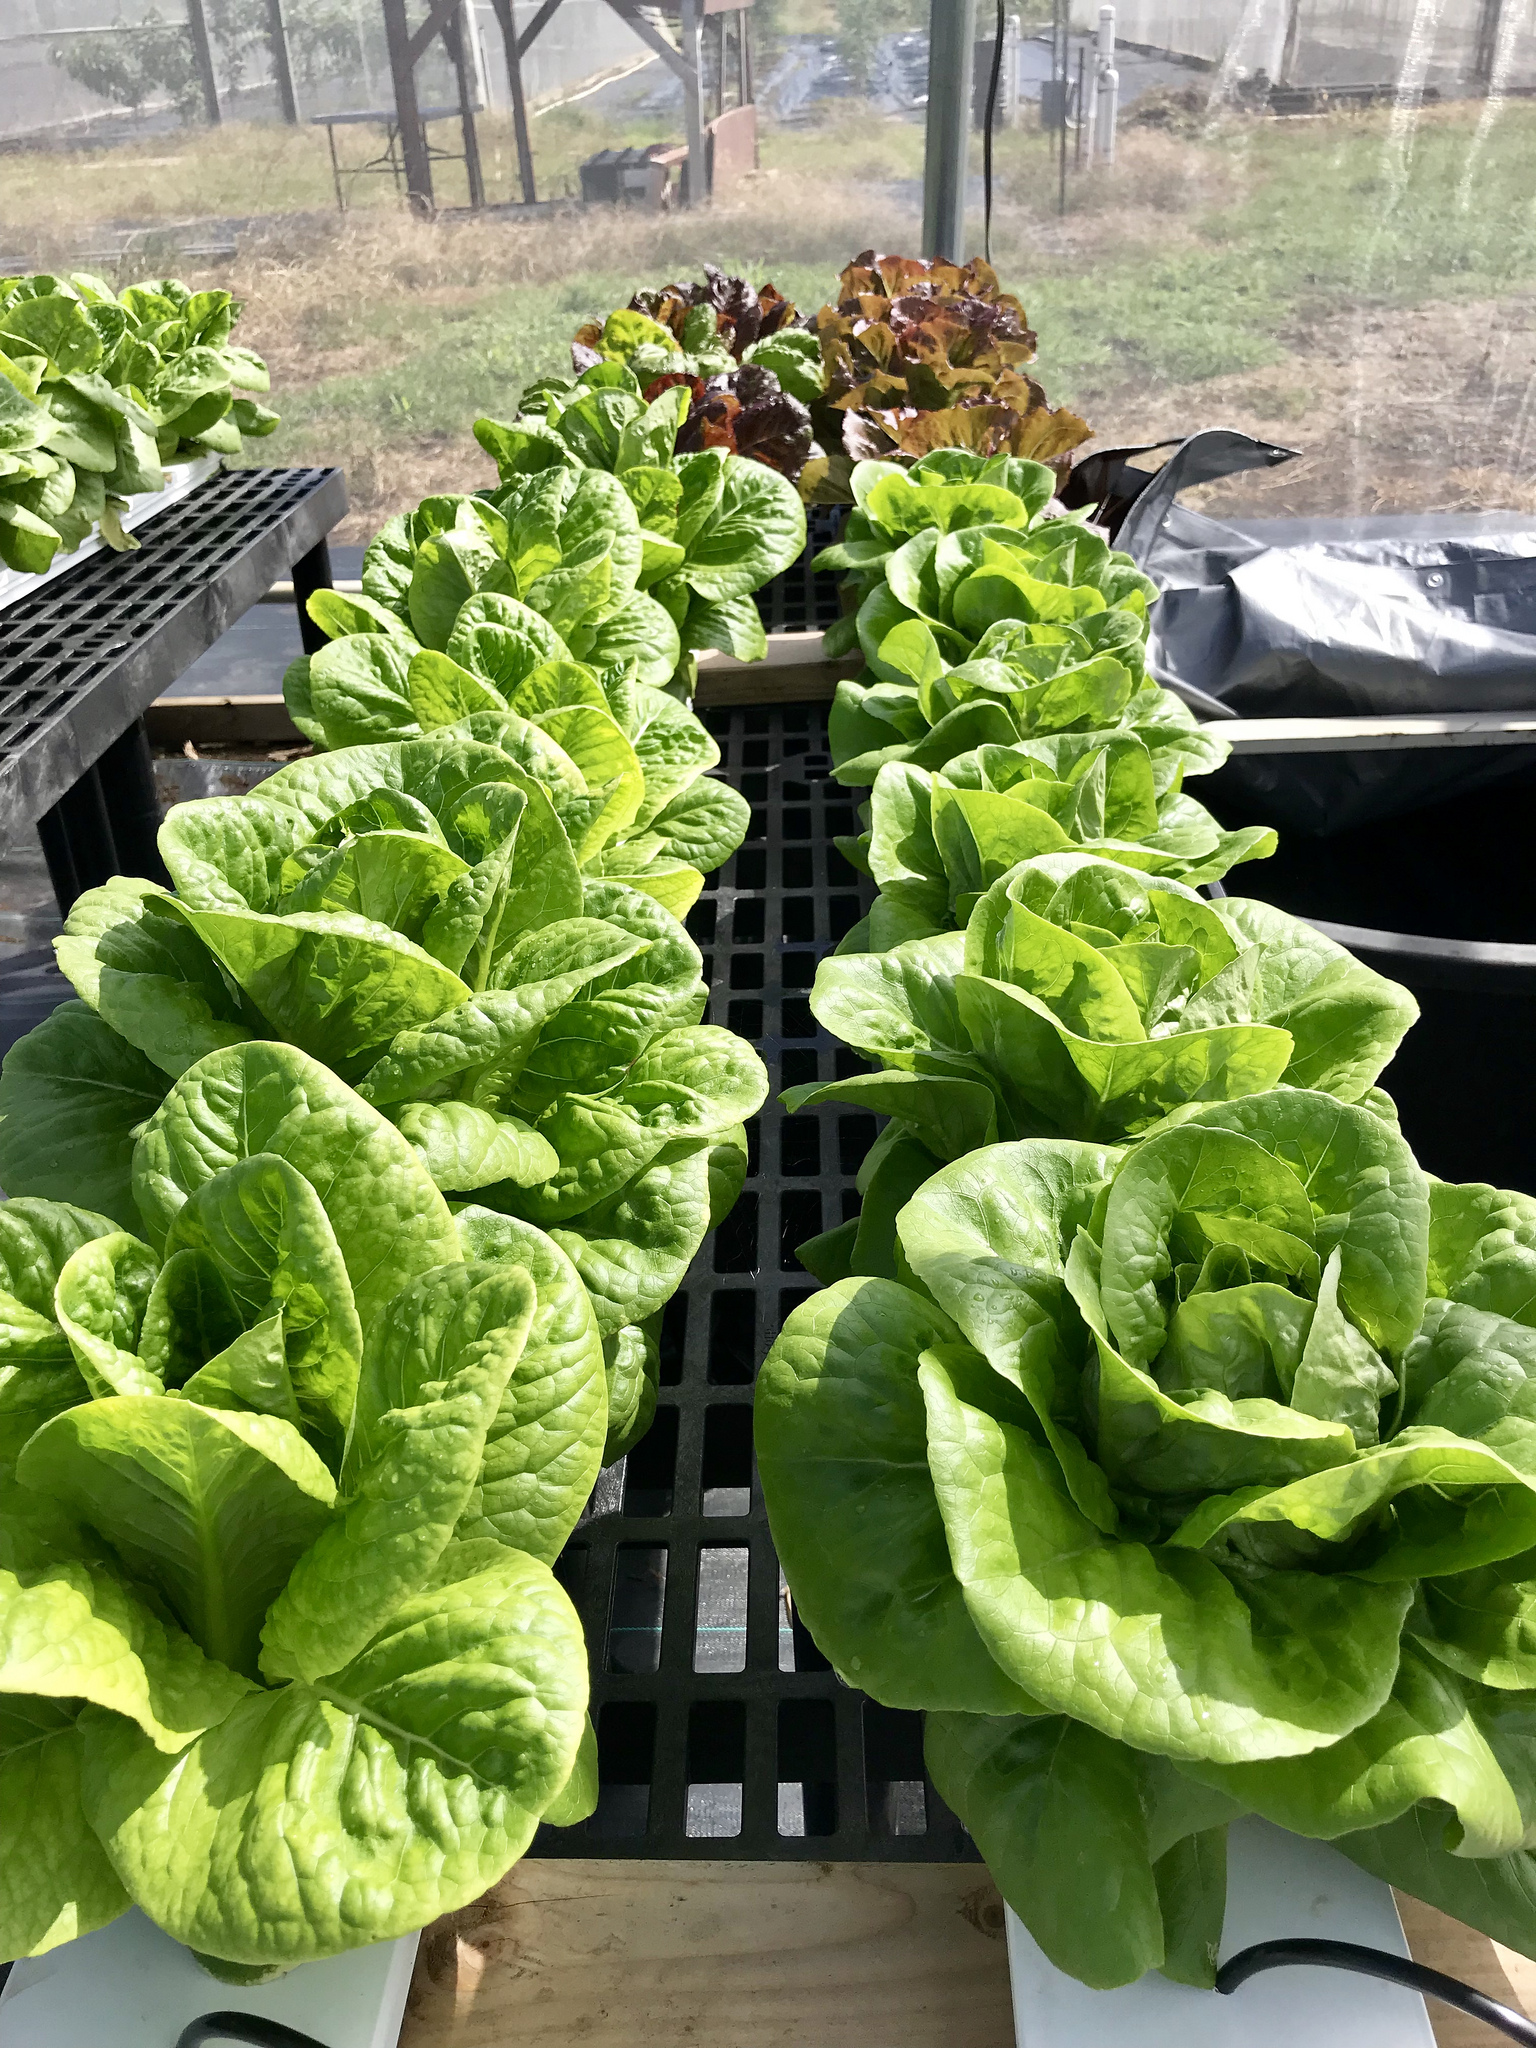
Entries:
{"x":1443,"y":900}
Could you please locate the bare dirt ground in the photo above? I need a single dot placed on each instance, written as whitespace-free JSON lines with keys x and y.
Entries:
{"x":1428,"y":408}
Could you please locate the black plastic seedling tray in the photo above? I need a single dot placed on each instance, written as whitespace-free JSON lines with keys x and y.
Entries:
{"x":799,"y":600}
{"x":722,"y":1732}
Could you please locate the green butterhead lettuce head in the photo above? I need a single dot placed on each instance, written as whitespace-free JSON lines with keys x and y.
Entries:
{"x":415,"y":916}
{"x":99,"y":390}
{"x":614,"y":552}
{"x":1084,"y":1000}
{"x":621,"y":761}
{"x":936,"y":840}
{"x":283,"y":1474}
{"x":984,"y":623}
{"x":1219,"y":1445}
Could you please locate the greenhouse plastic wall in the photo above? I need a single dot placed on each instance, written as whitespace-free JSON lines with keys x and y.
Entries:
{"x":1447,"y":46}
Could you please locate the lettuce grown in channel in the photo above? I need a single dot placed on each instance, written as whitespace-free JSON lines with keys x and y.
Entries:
{"x":286,"y":1461}
{"x":1247,"y":1401}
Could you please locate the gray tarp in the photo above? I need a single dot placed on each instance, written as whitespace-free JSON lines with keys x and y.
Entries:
{"x":1331,"y":618}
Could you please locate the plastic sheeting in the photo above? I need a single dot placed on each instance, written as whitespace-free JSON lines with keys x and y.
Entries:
{"x":1407,"y":614}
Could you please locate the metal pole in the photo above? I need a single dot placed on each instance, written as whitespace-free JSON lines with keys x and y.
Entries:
{"x":1082,"y":109}
{"x":282,"y":70}
{"x":508,"y":23}
{"x":202,"y":57}
{"x":692,"y":26}
{"x":946,"y":155}
{"x":413,"y":139}
{"x":1061,"y":145}
{"x":1106,"y":88}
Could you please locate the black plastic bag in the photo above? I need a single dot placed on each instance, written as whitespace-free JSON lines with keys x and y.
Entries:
{"x":1408,"y":613}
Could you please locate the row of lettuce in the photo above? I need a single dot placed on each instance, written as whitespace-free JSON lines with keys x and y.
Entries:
{"x":100,"y":392}
{"x":345,"y":1203}
{"x":912,"y":354}
{"x":1161,"y":1430}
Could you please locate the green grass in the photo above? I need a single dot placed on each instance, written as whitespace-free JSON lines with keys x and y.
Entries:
{"x":456,"y":364}
{"x":1194,"y":260}
{"x":1324,"y":219}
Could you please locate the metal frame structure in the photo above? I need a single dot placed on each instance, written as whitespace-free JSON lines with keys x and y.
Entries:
{"x":947,"y":148}
{"x":685,"y":58}
{"x":445,"y":22}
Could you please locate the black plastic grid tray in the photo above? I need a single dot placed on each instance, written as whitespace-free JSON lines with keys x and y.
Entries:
{"x":722,"y":1732}
{"x":83,"y":655}
{"x":799,"y":601}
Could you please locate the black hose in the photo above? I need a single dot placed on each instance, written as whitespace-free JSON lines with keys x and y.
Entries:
{"x":243,"y":2026}
{"x":986,"y":139}
{"x":1375,"y":1962}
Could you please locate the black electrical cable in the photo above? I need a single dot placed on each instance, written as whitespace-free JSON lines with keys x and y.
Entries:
{"x":243,"y":2026}
{"x":986,"y":139}
{"x":1375,"y":1962}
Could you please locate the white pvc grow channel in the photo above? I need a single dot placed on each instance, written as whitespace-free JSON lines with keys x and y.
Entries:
{"x":1278,"y":1886}
{"x":130,"y":1986}
{"x":180,"y":479}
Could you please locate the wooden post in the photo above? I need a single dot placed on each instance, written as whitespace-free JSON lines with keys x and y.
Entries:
{"x":202,"y":57}
{"x":282,"y":70}
{"x":692,"y":38}
{"x":457,"y":30}
{"x":513,"y":48}
{"x":1486,"y":55}
{"x":1288,"y":48}
{"x":413,"y":139}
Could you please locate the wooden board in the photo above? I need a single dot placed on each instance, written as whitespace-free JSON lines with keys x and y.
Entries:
{"x":589,"y":1954}
{"x":794,"y":672}
{"x":1460,"y":1952}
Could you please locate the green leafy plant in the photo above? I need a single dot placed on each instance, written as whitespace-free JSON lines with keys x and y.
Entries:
{"x":1083,"y":1000}
{"x":713,"y":526}
{"x":622,"y":763}
{"x":414,"y":915}
{"x":936,"y":841}
{"x":983,"y":622}
{"x":286,"y":1462}
{"x":921,"y":354}
{"x":1182,"y":1481}
{"x":98,"y":391}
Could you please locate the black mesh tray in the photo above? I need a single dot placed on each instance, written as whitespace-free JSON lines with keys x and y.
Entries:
{"x":799,"y":601}
{"x":721,"y":1730}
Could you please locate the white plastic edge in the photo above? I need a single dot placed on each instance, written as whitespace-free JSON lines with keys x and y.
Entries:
{"x":181,"y":478}
{"x":130,"y":1986}
{"x":1278,"y":1885}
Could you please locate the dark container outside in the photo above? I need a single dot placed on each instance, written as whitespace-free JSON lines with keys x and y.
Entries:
{"x":1442,"y":899}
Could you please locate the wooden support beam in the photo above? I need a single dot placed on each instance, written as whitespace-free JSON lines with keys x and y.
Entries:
{"x":537,"y":26}
{"x":413,"y":137}
{"x":514,"y":52}
{"x":583,"y":1953}
{"x":282,"y":69}
{"x":676,"y":60}
{"x":457,"y":30}
{"x":202,"y":58}
{"x":440,"y":14}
